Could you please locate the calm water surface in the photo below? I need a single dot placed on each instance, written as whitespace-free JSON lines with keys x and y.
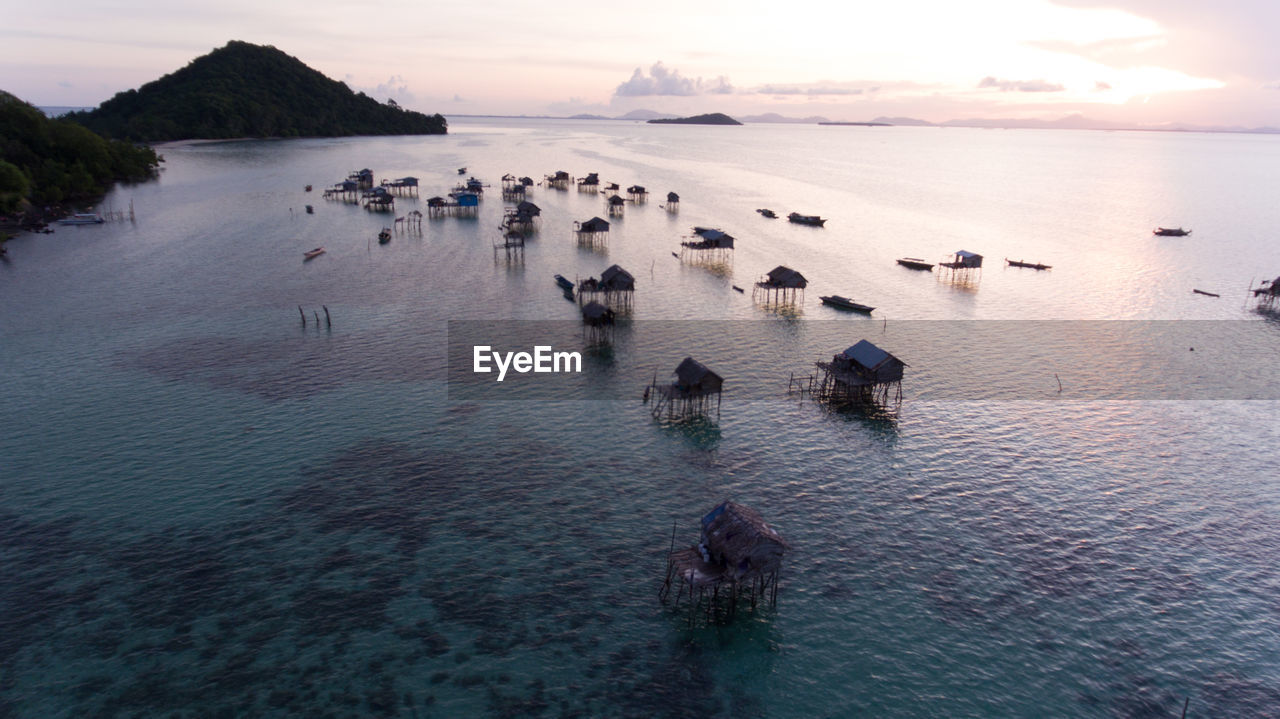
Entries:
{"x":206,"y":509}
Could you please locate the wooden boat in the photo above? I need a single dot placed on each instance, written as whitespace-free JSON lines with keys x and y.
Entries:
{"x":462,"y":170}
{"x":308,"y":188}
{"x":1032,"y":265}
{"x":311,"y":210}
{"x":739,"y":289}
{"x":1170,"y":232}
{"x":845,"y":303}
{"x":312,"y":254}
{"x":1206,"y":294}
{"x":83,"y":218}
{"x":915,"y":263}
{"x":812,"y":220}
{"x":385,"y":236}
{"x":768,"y":213}
{"x":564,"y":284}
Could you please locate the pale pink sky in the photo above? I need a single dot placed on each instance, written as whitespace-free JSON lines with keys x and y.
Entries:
{"x":1131,"y":61}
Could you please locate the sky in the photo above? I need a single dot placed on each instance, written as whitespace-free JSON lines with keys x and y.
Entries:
{"x":1139,"y":62}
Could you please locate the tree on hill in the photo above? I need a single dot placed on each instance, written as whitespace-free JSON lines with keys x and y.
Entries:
{"x":246,"y":90}
{"x":49,"y":161}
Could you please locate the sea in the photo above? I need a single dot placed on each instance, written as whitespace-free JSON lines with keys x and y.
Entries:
{"x":234,"y":482}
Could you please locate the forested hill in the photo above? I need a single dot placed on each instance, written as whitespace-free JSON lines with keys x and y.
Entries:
{"x":246,"y":90}
{"x":45,"y":162}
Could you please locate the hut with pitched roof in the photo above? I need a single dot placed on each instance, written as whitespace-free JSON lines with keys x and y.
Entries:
{"x":597,"y":323}
{"x":673,"y":202}
{"x":380,"y":199}
{"x":590,"y":183}
{"x":782,"y":285}
{"x":862,"y":374}
{"x":707,"y":243}
{"x":560,"y":180}
{"x":689,"y":393}
{"x":637,"y":194}
{"x":738,"y":554}
{"x":615,"y":289}
{"x":594,"y":231}
{"x":615,"y":205}
{"x":962,"y":267}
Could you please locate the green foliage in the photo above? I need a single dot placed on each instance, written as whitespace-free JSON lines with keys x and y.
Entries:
{"x":246,"y":90}
{"x":49,"y":161}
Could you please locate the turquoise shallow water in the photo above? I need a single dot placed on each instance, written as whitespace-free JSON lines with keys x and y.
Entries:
{"x":209,"y":510}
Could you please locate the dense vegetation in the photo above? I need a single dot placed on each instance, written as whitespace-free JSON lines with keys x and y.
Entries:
{"x":715,"y":118}
{"x":47,"y":162}
{"x":246,"y":90}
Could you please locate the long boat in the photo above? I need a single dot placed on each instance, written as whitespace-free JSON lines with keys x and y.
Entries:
{"x":915,"y":263}
{"x":1032,"y":265}
{"x":313,"y":253}
{"x":564,"y":284}
{"x":1170,"y":232}
{"x":800,"y":219}
{"x":83,"y":218}
{"x":845,"y":303}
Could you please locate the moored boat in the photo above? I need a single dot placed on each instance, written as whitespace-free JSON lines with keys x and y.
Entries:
{"x":845,"y":303}
{"x":812,"y":220}
{"x":385,"y":236}
{"x":311,"y":254}
{"x":915,"y":263}
{"x":1170,"y":232}
{"x":83,"y":218}
{"x":311,"y":210}
{"x":564,"y":284}
{"x":768,"y":213}
{"x":1032,"y":265}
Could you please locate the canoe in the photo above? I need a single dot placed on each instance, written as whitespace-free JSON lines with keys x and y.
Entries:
{"x":313,"y":253}
{"x":915,"y":263}
{"x":564,"y":284}
{"x":845,"y":303}
{"x":812,"y":220}
{"x":1032,"y":265}
{"x":1170,"y":232}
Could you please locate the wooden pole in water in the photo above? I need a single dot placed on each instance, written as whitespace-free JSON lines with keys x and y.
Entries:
{"x":304,"y":316}
{"x":317,"y":314}
{"x":328,"y":321}
{"x":1055,"y":376}
{"x":1185,"y":704}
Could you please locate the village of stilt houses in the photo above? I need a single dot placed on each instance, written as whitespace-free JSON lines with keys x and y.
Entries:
{"x":736,"y":564}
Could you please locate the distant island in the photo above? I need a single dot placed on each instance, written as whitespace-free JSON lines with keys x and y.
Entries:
{"x":715,"y":118}
{"x":247,"y":90}
{"x":47,"y":163}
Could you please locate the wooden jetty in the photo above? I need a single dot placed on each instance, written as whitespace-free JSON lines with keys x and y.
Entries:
{"x":690,"y":392}
{"x":404,"y":186}
{"x":346,"y":191}
{"x":594,"y":231}
{"x":615,"y":289}
{"x":459,"y":204}
{"x":863,"y":374}
{"x":782,"y":285}
{"x":738,"y":559}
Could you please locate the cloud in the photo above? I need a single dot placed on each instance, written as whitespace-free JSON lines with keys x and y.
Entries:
{"x":1101,"y":86}
{"x":663,"y":81}
{"x":1020,"y":85}
{"x":394,"y":87}
{"x":811,"y":91}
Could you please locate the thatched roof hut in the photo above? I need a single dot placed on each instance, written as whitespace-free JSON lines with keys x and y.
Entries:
{"x":528,"y":209}
{"x":784,"y":278}
{"x":595,"y":314}
{"x":737,"y":537}
{"x":693,"y":378}
{"x":595,"y":224}
{"x":616,"y":279}
{"x":870,"y":363}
